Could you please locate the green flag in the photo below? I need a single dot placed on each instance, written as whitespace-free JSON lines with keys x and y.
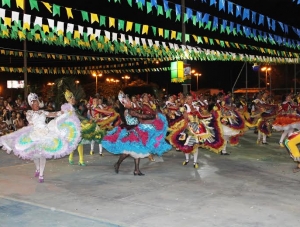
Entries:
{"x":56,"y":10}
{"x":85,"y":16}
{"x":6,"y":2}
{"x":34,"y":5}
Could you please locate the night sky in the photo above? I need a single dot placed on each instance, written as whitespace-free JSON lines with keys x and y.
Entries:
{"x":215,"y":74}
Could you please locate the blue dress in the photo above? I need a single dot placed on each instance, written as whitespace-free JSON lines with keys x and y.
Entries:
{"x":139,"y":141}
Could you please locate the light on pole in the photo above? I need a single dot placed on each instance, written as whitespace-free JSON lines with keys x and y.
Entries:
{"x":197,"y":75}
{"x":96,"y":76}
{"x":77,"y":82}
{"x":266,"y":69}
{"x":126,"y":78}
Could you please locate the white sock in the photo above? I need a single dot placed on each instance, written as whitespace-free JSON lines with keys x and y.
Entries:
{"x":187,"y":157}
{"x":100,"y":148}
{"x":37,"y":164}
{"x":196,"y":156}
{"x":42,"y":165}
{"x":92,"y":145}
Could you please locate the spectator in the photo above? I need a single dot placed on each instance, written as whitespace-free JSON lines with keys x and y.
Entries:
{"x":18,"y":122}
{"x":3,"y":127}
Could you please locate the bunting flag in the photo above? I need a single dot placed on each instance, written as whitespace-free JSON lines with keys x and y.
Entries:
{"x":108,"y":42}
{"x":240,"y":11}
{"x":244,"y":13}
{"x":55,"y":56}
{"x":79,"y":70}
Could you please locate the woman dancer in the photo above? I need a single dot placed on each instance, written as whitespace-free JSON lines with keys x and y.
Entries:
{"x":195,"y":130}
{"x":39,"y":140}
{"x":287,"y":120}
{"x":89,"y":131}
{"x":139,"y":136}
{"x":291,"y":144}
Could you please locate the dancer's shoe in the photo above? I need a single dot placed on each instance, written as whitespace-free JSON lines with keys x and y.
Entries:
{"x":116,"y":166}
{"x":41,"y":179}
{"x":138,"y":173}
{"x":196,"y":165}
{"x":81,"y":164}
{"x":185,"y":162}
{"x":36,"y":174}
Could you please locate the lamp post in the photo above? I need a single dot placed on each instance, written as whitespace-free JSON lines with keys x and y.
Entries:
{"x":197,"y":75}
{"x":125,"y":78}
{"x":51,"y":90}
{"x":266,"y":69}
{"x":96,"y":76}
{"x":77,"y":82}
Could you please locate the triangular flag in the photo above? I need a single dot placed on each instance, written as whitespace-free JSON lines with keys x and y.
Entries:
{"x":94,"y":18}
{"x":33,"y":4}
{"x":20,"y":4}
{"x":48,"y":6}
{"x":69,"y":12}
{"x":56,"y":10}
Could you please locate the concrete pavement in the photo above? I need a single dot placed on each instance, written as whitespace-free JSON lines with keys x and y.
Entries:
{"x":254,"y":186}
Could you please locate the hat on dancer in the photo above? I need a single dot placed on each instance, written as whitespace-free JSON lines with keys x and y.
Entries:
{"x":32,"y":97}
{"x":68,"y":95}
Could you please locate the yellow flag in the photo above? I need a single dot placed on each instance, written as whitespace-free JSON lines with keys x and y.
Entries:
{"x":205,"y":39}
{"x":217,"y":41}
{"x":92,"y":37}
{"x":37,"y":36}
{"x":112,"y":22}
{"x":173,"y":34}
{"x":128,"y":26}
{"x":5,"y":33}
{"x":227,"y":43}
{"x":145,"y":29}
{"x":26,"y":26}
{"x":76,"y":34}
{"x":195,"y":38}
{"x":48,"y":6}
{"x":237,"y":45}
{"x":69,"y":12}
{"x":7,"y":21}
{"x":20,"y":4}
{"x":45,"y":28}
{"x":94,"y":17}
{"x":60,"y":32}
{"x":160,"y":32}
{"x":21,"y":35}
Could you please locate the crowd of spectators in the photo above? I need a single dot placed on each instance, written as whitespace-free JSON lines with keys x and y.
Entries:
{"x":13,"y":113}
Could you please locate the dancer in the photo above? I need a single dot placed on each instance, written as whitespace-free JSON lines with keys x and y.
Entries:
{"x":89,"y":131}
{"x":196,"y":130}
{"x":139,"y":136}
{"x":233,"y":124}
{"x":104,"y":117}
{"x":291,"y":144}
{"x":39,"y":140}
{"x":287,"y":120}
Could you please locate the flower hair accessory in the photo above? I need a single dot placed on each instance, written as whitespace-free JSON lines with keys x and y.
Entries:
{"x":32,"y":97}
{"x":68,"y":95}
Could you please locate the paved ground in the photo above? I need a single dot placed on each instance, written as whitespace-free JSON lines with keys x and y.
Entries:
{"x":254,"y":186}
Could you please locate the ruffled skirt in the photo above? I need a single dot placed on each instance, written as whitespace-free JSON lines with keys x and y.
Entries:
{"x":57,"y":139}
{"x":140,"y":141}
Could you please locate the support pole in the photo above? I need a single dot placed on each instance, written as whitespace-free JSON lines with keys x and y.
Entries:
{"x":25,"y":63}
{"x":232,"y":90}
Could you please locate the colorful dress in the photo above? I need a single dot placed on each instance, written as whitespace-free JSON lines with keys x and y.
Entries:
{"x":139,"y":140}
{"x":197,"y":131}
{"x":287,"y":118}
{"x":56,"y":139}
